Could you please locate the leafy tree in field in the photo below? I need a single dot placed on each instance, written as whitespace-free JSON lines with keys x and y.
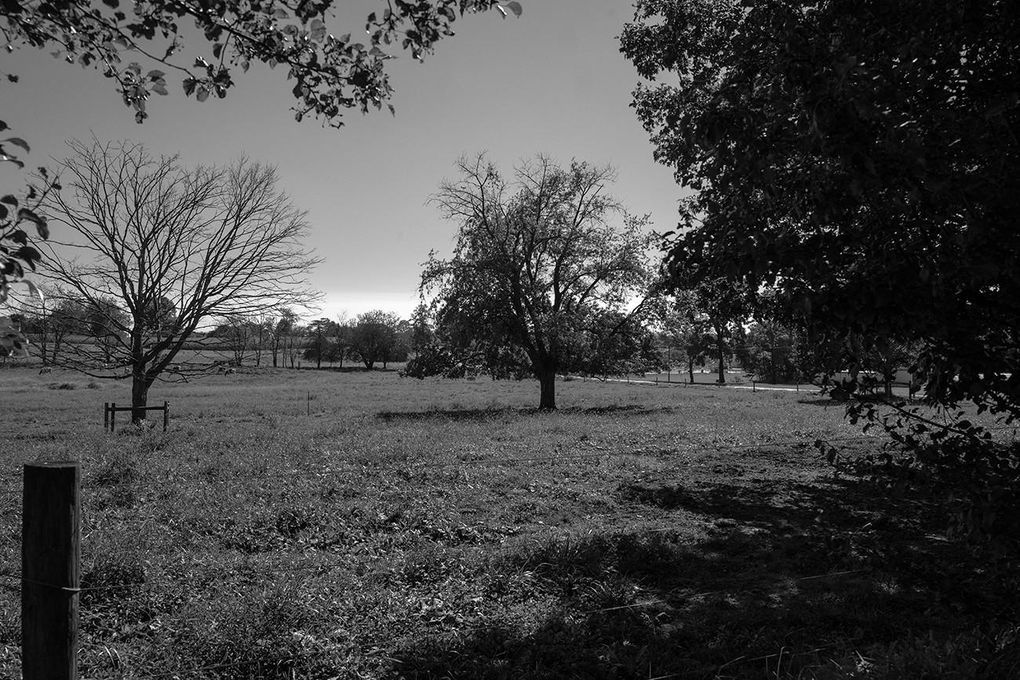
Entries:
{"x":155,"y":237}
{"x":684,"y":328}
{"x":318,"y":347}
{"x":374,"y":337}
{"x":769,"y":351}
{"x":538,"y":257}
{"x":861,"y":157}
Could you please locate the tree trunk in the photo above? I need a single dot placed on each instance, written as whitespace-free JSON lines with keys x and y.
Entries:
{"x":547,"y":381}
{"x":139,"y":397}
{"x":690,"y":369}
{"x":721,"y":349}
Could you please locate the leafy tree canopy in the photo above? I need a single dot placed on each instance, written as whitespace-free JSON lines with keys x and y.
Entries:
{"x":860,"y":157}
{"x":540,"y":256}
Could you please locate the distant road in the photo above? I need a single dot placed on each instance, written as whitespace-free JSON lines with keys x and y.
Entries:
{"x":806,"y":388}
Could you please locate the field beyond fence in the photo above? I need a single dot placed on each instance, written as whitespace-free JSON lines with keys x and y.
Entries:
{"x":300,"y":524}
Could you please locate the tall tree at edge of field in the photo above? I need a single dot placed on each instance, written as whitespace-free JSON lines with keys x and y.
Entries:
{"x":211,"y":242}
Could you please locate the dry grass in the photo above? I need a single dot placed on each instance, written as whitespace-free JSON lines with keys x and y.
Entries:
{"x":446,"y":529}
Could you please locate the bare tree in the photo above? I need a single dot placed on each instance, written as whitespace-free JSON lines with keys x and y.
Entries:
{"x":238,"y":331}
{"x":150,"y":235}
{"x":262,"y":331}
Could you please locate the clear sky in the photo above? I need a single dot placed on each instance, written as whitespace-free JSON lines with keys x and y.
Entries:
{"x":552,"y":81}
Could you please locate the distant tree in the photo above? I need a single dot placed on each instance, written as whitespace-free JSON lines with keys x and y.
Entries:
{"x":401,"y":349}
{"x":537,"y":257}
{"x":684,"y":327}
{"x":212,"y":241}
{"x":236,"y":332}
{"x":770,"y":351}
{"x":293,"y":345}
{"x":422,"y":333}
{"x":712,"y":309}
{"x":283,"y":329}
{"x":318,"y":344}
{"x":261,"y":325}
{"x":617,"y":344}
{"x":341,"y":340}
{"x":374,"y":337}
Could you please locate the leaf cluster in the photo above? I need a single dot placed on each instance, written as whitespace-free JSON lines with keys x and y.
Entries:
{"x":331,"y":72}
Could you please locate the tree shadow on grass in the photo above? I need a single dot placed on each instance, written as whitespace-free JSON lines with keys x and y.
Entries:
{"x":485,"y":414}
{"x":456,"y":415}
{"x":787,"y":582}
{"x":826,"y":402}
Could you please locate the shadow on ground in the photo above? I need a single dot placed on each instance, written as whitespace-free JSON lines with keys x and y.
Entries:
{"x":792,"y":580}
{"x":485,"y":414}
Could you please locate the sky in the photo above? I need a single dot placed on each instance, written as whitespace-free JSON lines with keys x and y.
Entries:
{"x":552,"y":81}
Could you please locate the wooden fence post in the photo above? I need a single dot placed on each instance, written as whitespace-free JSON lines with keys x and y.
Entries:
{"x":50,"y":556}
{"x":166,"y":415}
{"x":106,"y":416}
{"x":113,"y":415}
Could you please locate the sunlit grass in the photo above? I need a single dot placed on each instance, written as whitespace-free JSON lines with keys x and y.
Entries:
{"x":355,"y":524}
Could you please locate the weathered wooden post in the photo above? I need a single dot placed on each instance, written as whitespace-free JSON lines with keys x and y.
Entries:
{"x":106,"y":416}
{"x":166,"y":415}
{"x":113,"y":415}
{"x":50,"y":556}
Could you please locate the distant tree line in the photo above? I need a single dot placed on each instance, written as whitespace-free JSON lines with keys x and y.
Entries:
{"x":281,"y":340}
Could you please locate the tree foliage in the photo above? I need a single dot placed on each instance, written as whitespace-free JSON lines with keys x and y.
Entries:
{"x":375,"y":337}
{"x":132,"y":44}
{"x":860,"y":157}
{"x":539,"y":257}
{"x":163,"y":249}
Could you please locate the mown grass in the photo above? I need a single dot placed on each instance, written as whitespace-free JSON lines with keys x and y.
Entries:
{"x":300,"y":524}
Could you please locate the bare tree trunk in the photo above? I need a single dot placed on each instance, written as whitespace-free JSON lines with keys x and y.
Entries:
{"x":720,"y":345}
{"x":139,"y":396}
{"x":547,"y":383}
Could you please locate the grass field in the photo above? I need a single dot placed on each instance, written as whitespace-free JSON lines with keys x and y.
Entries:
{"x":303,"y":524}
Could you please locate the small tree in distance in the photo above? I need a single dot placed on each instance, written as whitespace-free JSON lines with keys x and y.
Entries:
{"x":374,"y":337}
{"x":539,"y":257}
{"x":209,"y":242}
